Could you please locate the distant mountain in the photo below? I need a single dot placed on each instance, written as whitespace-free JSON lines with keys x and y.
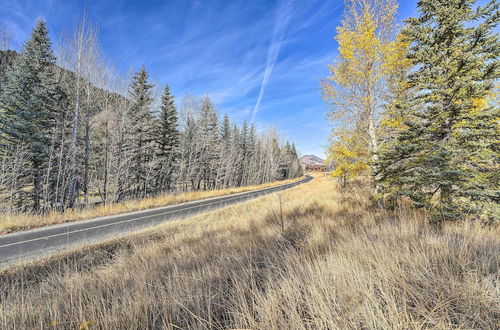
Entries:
{"x":311,"y":160}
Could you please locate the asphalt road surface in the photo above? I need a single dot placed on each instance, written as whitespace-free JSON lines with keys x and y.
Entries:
{"x":32,"y":244}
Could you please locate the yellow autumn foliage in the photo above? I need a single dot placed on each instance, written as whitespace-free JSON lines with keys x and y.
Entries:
{"x":349,"y":155}
{"x":365,"y":57}
{"x":365,"y":85}
{"x":396,"y":65}
{"x":358,"y":49}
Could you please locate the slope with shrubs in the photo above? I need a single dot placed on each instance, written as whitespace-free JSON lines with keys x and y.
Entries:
{"x":309,"y":258}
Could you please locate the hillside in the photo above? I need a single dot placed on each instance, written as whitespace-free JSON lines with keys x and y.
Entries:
{"x":66,"y":79}
{"x":245,"y":267}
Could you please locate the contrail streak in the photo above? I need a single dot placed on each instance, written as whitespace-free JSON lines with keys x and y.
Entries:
{"x":283,"y":18}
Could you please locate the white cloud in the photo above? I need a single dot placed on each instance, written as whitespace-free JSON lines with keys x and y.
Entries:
{"x":283,"y":18}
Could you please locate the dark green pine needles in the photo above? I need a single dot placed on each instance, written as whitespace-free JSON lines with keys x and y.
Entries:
{"x":447,"y":158}
{"x":29,"y":103}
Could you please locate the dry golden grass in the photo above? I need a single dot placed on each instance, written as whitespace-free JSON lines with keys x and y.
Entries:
{"x":11,"y":222}
{"x":320,"y":259}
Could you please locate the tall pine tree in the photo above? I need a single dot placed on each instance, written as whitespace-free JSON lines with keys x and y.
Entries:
{"x":225,"y":131}
{"x":29,"y":105}
{"x":141,"y":131}
{"x":209,"y":143}
{"x":446,"y":159}
{"x":167,"y":140}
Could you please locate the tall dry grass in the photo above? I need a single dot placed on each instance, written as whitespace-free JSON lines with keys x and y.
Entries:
{"x":308,"y":258}
{"x":10,"y":222}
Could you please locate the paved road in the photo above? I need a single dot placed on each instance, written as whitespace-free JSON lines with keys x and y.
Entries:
{"x":36,"y":243}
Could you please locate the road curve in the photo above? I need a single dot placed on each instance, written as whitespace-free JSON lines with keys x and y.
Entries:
{"x":32,"y":244}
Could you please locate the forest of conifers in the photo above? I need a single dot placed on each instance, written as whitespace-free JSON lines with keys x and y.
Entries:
{"x":73,"y":133}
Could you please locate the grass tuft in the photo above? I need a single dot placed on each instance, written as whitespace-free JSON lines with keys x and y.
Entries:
{"x":313,"y":258}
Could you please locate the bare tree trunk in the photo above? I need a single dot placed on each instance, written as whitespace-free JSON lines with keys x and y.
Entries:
{"x":81,"y":55}
{"x":36,"y":187}
{"x":106,"y":162}
{"x":49,"y":168}
{"x":74,"y":122}
{"x":86,"y":161}
{"x":73,"y":148}
{"x":372,"y":132}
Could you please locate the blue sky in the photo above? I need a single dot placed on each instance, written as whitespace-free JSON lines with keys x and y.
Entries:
{"x":258,"y":60}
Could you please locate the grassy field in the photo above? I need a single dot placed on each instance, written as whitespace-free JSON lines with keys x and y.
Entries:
{"x":307,"y":258}
{"x":11,"y":222}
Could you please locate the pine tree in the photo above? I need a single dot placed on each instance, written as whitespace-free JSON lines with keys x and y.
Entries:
{"x":190,"y":165}
{"x":29,"y":103}
{"x":140,"y":133}
{"x":446,"y":159}
{"x":251,"y":144}
{"x":225,"y":133}
{"x":236,"y":137}
{"x":243,"y":144}
{"x":223,"y":172}
{"x":277,"y":160}
{"x":286,"y":161}
{"x":167,"y":139}
{"x":296,"y":169}
{"x":210,"y":143}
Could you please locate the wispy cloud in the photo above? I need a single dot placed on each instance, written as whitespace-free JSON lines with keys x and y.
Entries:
{"x":284,"y":15}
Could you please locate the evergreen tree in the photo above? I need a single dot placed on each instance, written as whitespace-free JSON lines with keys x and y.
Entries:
{"x":295,"y":168}
{"x":277,"y":159}
{"x":223,"y":172}
{"x":250,"y":151}
{"x":7,"y":59}
{"x":190,"y":165}
{"x":210,"y":143}
{"x":167,"y":141}
{"x":244,"y":132}
{"x":225,"y":133}
{"x":251,"y":142}
{"x":286,"y":160}
{"x":236,"y":137}
{"x":446,"y":159}
{"x":29,"y":104}
{"x":140,"y":133}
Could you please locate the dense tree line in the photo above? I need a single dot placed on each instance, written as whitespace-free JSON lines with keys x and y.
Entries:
{"x":418,"y":107}
{"x":71,"y":134}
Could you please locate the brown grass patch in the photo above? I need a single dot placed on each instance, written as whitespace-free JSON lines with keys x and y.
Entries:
{"x":11,"y":222}
{"x":325,"y":261}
